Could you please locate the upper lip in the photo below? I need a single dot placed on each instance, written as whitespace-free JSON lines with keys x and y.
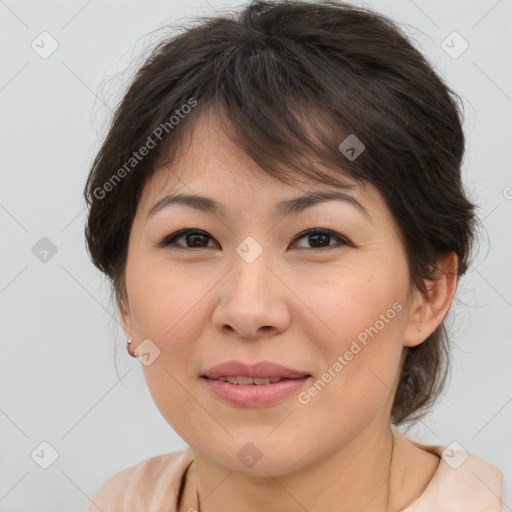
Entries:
{"x":260,"y":369}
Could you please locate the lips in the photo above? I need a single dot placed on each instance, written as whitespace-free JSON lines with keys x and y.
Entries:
{"x":245,"y":385}
{"x":259,"y":370}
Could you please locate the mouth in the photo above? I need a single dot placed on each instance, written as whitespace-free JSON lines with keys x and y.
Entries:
{"x":254,"y":392}
{"x":255,"y":381}
{"x":255,"y":385}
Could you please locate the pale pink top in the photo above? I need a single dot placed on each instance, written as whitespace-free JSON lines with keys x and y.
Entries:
{"x":153,"y":486}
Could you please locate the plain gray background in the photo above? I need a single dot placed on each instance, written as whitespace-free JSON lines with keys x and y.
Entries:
{"x":65,"y":376}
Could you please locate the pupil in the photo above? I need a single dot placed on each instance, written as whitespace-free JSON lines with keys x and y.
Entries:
{"x":194,"y":238}
{"x":316,"y":236}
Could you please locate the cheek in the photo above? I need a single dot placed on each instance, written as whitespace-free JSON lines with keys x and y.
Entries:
{"x":360,"y":315}
{"x":165,"y":303}
{"x":165,"y":308}
{"x":357,"y":301}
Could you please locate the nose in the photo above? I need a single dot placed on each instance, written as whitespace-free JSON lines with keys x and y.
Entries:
{"x":252,"y":300}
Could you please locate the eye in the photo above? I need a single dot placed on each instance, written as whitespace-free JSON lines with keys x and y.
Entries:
{"x":195,"y":237}
{"x":198,"y":239}
{"x":318,"y":237}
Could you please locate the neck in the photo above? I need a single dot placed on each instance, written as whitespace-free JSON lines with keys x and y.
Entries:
{"x":361,"y":476}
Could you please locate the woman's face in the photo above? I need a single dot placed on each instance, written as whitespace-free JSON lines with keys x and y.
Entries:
{"x":245,"y":286}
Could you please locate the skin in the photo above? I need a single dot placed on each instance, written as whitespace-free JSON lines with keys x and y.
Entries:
{"x":302,"y":308}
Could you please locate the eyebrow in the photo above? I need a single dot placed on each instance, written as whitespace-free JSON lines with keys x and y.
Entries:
{"x":284,"y":208}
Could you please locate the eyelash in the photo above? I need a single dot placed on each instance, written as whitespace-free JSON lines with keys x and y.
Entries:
{"x":170,"y":239}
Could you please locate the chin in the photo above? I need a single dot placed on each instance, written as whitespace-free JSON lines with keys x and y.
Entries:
{"x":259,"y":457}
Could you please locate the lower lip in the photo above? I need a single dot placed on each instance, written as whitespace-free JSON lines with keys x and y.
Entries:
{"x":252,"y":395}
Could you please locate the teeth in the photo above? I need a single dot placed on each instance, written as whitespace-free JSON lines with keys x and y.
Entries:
{"x":244,"y":381}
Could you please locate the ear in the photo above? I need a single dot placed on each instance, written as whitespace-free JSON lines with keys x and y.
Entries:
{"x":126,"y":320}
{"x":427,"y":312}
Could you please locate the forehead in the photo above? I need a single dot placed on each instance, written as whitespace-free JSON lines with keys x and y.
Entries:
{"x":208,"y":158}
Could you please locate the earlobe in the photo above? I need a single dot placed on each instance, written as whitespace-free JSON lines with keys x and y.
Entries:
{"x":428,"y":311}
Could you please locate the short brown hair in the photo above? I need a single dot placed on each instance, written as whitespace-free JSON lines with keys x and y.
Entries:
{"x":269,"y":71}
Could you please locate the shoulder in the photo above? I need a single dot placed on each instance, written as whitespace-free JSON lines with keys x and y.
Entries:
{"x":463,"y":482}
{"x":144,"y":486}
{"x":506,"y":496}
